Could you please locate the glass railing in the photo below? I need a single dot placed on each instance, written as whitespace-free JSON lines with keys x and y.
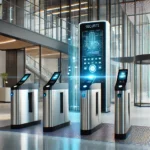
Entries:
{"x":34,"y":65}
{"x":35,"y":20}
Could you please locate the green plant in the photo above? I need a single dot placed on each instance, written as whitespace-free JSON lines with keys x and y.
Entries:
{"x":4,"y":77}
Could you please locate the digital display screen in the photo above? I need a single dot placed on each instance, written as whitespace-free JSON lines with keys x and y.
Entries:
{"x":25,"y":78}
{"x":92,"y":43}
{"x":52,"y":81}
{"x":122,"y":75}
{"x":55,"y":76}
{"x":122,"y":79}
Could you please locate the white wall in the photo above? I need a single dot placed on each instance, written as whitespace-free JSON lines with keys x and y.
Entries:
{"x":50,"y":64}
{"x":2,"y":65}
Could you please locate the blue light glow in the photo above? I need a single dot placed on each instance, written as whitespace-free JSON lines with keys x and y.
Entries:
{"x":44,"y":95}
{"x":122,"y":75}
{"x":92,"y":68}
{"x":12,"y":94}
{"x":91,"y":77}
{"x":84,"y":86}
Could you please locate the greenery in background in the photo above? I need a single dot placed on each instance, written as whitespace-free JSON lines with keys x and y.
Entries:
{"x":4,"y":77}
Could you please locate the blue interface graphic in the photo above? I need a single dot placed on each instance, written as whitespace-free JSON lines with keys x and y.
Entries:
{"x":92,"y":43}
{"x":25,"y":78}
{"x":122,"y":75}
{"x":55,"y":77}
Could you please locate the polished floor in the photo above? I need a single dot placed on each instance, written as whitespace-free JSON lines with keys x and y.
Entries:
{"x":26,"y":140}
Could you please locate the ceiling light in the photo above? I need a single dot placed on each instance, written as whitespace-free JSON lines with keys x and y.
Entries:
{"x":67,"y":11}
{"x":32,"y":48}
{"x":9,"y":41}
{"x":50,"y":54}
{"x":62,"y":7}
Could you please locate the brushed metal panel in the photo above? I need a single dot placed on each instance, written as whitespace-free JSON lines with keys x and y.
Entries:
{"x":122,"y":112}
{"x":20,"y":107}
{"x":51,"y":106}
{"x":89,"y":119}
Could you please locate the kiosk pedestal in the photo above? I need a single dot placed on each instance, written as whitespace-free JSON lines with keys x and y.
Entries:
{"x":122,"y":106}
{"x":91,"y":109}
{"x":24,"y":105}
{"x":55,"y":106}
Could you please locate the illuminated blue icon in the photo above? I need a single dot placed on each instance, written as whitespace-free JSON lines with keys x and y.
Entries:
{"x":84,"y":58}
{"x":99,"y":62}
{"x":88,"y":58}
{"x":85,"y":68}
{"x":92,"y":58}
{"x":12,"y":94}
{"x":100,"y":67}
{"x":88,"y":62}
{"x":84,"y":86}
{"x":92,"y":68}
{"x":44,"y":95}
{"x":95,"y":62}
{"x":95,"y":58}
{"x":84,"y":63}
{"x":99,"y":58}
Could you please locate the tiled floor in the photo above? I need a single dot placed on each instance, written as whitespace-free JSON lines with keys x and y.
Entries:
{"x":34,"y":139}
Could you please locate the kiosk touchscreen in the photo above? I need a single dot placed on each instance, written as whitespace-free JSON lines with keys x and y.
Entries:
{"x":121,"y":80}
{"x":23,"y":79}
{"x":52,"y":81}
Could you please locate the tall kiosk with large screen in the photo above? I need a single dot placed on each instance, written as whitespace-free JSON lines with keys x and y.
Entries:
{"x":94,"y":73}
{"x":95,"y":57}
{"x":24,"y":104}
{"x":122,"y":106}
{"x":55,"y":104}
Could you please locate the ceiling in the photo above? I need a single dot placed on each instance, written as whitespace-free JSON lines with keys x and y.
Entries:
{"x":18,"y":44}
{"x":7,"y":43}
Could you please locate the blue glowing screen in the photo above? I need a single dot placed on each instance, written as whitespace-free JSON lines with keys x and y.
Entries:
{"x":25,"y":78}
{"x":92,"y":43}
{"x":122,"y":75}
{"x":55,"y":77}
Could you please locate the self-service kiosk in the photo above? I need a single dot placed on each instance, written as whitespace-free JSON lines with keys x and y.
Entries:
{"x":24,"y":104}
{"x":122,"y":106}
{"x":55,"y":104}
{"x":95,"y":56}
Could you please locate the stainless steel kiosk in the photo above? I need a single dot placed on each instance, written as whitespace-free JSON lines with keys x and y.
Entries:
{"x":122,"y":106}
{"x":95,"y":56}
{"x":24,"y":104}
{"x":90,"y":107}
{"x":55,"y":104}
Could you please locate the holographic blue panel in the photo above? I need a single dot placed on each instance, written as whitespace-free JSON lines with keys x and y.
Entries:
{"x":92,"y":43}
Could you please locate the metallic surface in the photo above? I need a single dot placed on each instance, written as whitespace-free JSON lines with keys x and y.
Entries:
{"x":89,"y":119}
{"x":107,"y":64}
{"x":122,"y":112}
{"x":20,"y":107}
{"x":51,"y":106}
